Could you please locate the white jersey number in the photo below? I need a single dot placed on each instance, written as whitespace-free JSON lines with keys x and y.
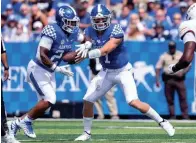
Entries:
{"x":107,"y":60}
{"x":57,"y":56}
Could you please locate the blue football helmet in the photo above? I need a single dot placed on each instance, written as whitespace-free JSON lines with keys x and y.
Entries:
{"x":67,"y":18}
{"x":100,"y":17}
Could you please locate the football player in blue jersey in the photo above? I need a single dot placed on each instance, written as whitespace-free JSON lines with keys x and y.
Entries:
{"x":56,"y":41}
{"x":108,"y":45}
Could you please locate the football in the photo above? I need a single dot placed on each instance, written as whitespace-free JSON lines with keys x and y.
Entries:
{"x":69,"y":57}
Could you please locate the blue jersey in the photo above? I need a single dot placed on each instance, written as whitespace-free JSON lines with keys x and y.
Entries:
{"x":62,"y":42}
{"x":118,"y":57}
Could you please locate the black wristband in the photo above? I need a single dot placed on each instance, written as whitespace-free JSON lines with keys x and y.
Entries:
{"x":174,"y":69}
{"x":6,"y":68}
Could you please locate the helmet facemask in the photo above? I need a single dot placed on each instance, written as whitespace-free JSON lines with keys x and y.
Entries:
{"x":101,"y":23}
{"x":70,"y":25}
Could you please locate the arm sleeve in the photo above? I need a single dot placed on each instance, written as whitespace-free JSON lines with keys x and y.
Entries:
{"x":189,"y":37}
{"x":186,"y":29}
{"x":46,"y":42}
{"x":117,"y":32}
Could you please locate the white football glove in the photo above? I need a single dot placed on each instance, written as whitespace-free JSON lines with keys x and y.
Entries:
{"x":63,"y":69}
{"x":83,"y":49}
{"x":169,"y":69}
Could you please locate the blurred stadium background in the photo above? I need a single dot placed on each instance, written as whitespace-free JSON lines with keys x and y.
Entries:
{"x":148,"y":26}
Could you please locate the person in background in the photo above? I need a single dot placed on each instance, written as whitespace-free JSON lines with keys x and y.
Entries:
{"x":124,"y":18}
{"x":37,"y":15}
{"x":161,"y":18}
{"x":160,"y":33}
{"x":183,"y":8}
{"x":172,"y":82}
{"x":19,"y":35}
{"x":3,"y":23}
{"x":134,"y":34}
{"x":83,"y":15}
{"x":95,"y":67}
{"x":115,"y":6}
{"x":25,"y":16}
{"x":10,"y":28}
{"x":5,"y":137}
{"x":9,"y":10}
{"x":177,"y":20}
{"x":35,"y":35}
{"x":147,"y":21}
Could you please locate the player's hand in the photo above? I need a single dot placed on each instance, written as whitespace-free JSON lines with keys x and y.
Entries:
{"x":83,"y":49}
{"x":169,"y":69}
{"x":78,"y":59}
{"x":5,"y":75}
{"x":64,"y":70}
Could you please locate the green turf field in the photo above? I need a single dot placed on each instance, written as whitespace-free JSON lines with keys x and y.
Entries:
{"x":110,"y":131}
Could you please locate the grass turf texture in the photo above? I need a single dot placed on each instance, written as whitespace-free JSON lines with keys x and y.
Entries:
{"x":110,"y":131}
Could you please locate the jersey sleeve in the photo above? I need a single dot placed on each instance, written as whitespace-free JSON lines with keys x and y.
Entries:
{"x":49,"y":31}
{"x":184,"y":29}
{"x":117,"y":32}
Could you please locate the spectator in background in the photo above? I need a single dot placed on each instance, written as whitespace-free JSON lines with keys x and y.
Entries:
{"x":161,"y":18}
{"x":173,"y":8}
{"x":151,"y":7}
{"x":3,"y":23}
{"x":147,"y":21}
{"x":88,"y":4}
{"x":177,"y":20}
{"x":16,"y":5}
{"x":5,"y":137}
{"x":134,"y":19}
{"x":37,"y":15}
{"x":18,"y":35}
{"x":183,"y":8}
{"x":25,"y":17}
{"x":124,"y":18}
{"x":83,"y":15}
{"x":173,"y":82}
{"x":45,"y":5}
{"x":11,"y":26}
{"x":115,"y":6}
{"x":134,"y":34}
{"x":160,"y":33}
{"x":35,"y":35}
{"x":9,"y":10}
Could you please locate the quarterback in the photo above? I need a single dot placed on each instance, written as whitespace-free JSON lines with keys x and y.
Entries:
{"x":56,"y":41}
{"x":108,"y":45}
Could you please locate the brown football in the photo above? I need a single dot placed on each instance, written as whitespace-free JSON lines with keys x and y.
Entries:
{"x":69,"y":57}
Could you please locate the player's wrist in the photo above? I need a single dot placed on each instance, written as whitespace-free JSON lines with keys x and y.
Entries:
{"x":88,"y":45}
{"x":6,"y":68}
{"x":54,"y":66}
{"x":96,"y":53}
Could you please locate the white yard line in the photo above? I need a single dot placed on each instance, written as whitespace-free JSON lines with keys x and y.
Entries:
{"x":128,"y":127}
{"x":108,"y":120}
